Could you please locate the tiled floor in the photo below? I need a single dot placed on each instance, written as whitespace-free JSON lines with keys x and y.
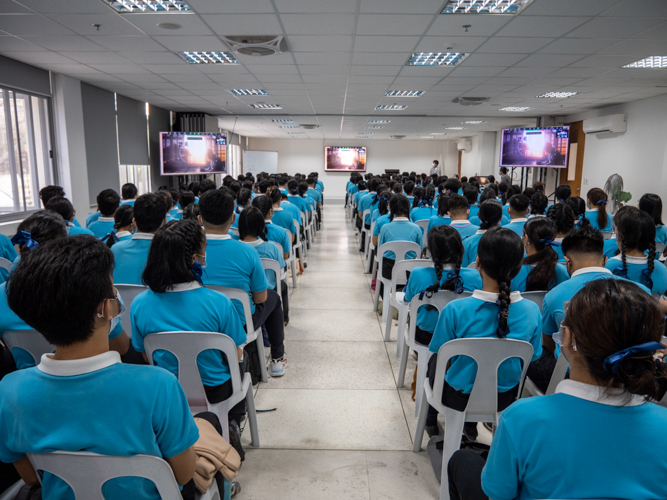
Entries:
{"x":341,"y":428}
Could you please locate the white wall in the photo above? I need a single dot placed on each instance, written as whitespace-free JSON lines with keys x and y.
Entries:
{"x":482,"y":158}
{"x":639,"y":155}
{"x":306,"y":155}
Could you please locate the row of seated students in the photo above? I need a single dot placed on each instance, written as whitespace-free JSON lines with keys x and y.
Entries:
{"x":598,"y":312}
{"x":62,"y":284}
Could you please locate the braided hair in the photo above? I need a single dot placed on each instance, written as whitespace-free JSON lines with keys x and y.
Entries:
{"x":42,"y":226}
{"x":500,"y":254}
{"x":446,"y":247}
{"x":636,"y":231}
{"x":418,"y":195}
{"x":490,"y":213}
{"x":598,"y":199}
{"x":242,"y":199}
{"x":541,"y":233}
{"x":563,"y":216}
{"x":578,"y":207}
{"x":171,"y":253}
{"x":251,"y":223}
{"x":264,"y":204}
{"x":429,"y":195}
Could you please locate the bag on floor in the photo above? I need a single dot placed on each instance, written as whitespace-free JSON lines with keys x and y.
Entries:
{"x":434,"y":451}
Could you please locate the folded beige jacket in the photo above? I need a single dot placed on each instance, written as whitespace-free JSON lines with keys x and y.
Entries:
{"x":213,"y":454}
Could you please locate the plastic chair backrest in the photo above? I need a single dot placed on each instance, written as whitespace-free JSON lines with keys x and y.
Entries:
{"x":87,"y":472}
{"x":235,"y":230}
{"x":242,"y":297}
{"x":5,"y":264}
{"x":186,"y":346}
{"x":607,"y":234}
{"x":659,"y":247}
{"x":128,"y":294}
{"x":31,"y":341}
{"x":488,"y":353}
{"x":402,"y":267}
{"x":473,"y":265}
{"x":438,"y":300}
{"x":536,"y":296}
{"x":400,"y":249}
{"x":424,"y":225}
{"x":558,"y":375}
{"x":273,"y":265}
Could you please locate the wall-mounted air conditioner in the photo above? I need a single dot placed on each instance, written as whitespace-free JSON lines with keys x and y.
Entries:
{"x":464,"y":145}
{"x":606,"y":124}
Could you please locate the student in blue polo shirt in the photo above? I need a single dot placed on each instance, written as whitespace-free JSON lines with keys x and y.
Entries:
{"x":272,"y":231}
{"x":472,"y":195}
{"x":610,"y":334}
{"x":652,"y":205}
{"x":408,"y":190}
{"x":315,"y":194}
{"x":187,"y":198}
{"x":107,"y":203}
{"x":76,"y":398}
{"x":399,"y":229}
{"x":443,"y":217}
{"x":64,"y":207}
{"x":128,"y":194}
{"x":458,"y":211}
{"x":492,"y":312}
{"x":235,"y":264}
{"x":635,"y":230}
{"x":48,"y":192}
{"x":519,"y":205}
{"x":583,"y":255}
{"x":490,"y":213}
{"x":422,"y":205}
{"x":252,"y":230}
{"x":488,"y":194}
{"x":383,"y":216}
{"x":282,"y":217}
{"x":149,"y":214}
{"x":563,"y":216}
{"x":538,"y":206}
{"x":295,"y":197}
{"x":123,"y":227}
{"x":596,"y":211}
{"x":319,"y":184}
{"x":7,"y":251}
{"x":540,"y":270}
{"x":446,"y":249}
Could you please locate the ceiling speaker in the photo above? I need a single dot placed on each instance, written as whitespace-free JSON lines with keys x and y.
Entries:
{"x":259,"y":45}
{"x":470,"y":101}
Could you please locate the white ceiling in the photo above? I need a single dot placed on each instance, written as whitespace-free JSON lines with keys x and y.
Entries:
{"x":345,"y":54}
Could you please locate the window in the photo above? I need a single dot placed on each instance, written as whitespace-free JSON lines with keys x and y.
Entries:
{"x":25,"y":150}
{"x":139,"y":175}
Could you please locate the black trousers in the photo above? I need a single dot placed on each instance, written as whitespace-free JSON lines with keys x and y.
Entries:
{"x":284,"y":292}
{"x":465,"y":476}
{"x":189,"y":488}
{"x":270,"y":314}
{"x":8,"y":474}
{"x":222,"y":392}
{"x":423,"y":337}
{"x":540,"y":370}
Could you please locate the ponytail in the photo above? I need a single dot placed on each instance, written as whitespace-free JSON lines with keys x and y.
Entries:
{"x":541,"y":233}
{"x":598,"y":198}
{"x":446,"y":247}
{"x":503,"y":304}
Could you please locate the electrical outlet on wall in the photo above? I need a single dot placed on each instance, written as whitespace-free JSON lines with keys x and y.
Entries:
{"x":585,"y":181}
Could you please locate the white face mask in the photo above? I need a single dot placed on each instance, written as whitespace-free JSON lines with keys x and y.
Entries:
{"x":122,"y":309}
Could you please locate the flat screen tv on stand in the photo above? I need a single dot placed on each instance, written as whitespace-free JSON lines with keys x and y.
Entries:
{"x":188,"y":153}
{"x":344,"y":159}
{"x":535,"y":147}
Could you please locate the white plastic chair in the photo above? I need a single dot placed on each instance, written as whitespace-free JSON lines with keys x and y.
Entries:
{"x":128,"y":294}
{"x":307,"y":232}
{"x":424,"y":225}
{"x":488,"y":353}
{"x":400,"y":249}
{"x":31,"y":341}
{"x":473,"y":265}
{"x":369,"y":251}
{"x":607,"y":234}
{"x":11,"y":492}
{"x":368,"y":233}
{"x":87,"y":472}
{"x":558,"y":375}
{"x":235,"y":230}
{"x":659,"y":247}
{"x":438,"y":300}
{"x":274,"y":265}
{"x":5,"y":264}
{"x":536,"y":296}
{"x":296,"y":246}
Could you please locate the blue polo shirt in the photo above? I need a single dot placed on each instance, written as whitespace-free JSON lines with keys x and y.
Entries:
{"x":465,"y":228}
{"x":76,"y":222}
{"x":592,"y":216}
{"x":470,"y":245}
{"x":375,"y":215}
{"x":661,"y":234}
{"x":477,"y":316}
{"x":102,"y":226}
{"x":436,"y":221}
{"x":474,"y":210}
{"x":127,"y":202}
{"x":358,"y":195}
{"x":610,"y":247}
{"x":381,"y":221}
{"x":320,"y":186}
{"x":187,"y":307}
{"x":99,"y":405}
{"x":278,"y":234}
{"x":267,"y":250}
{"x":353,"y":189}
{"x":516,"y":225}
{"x":234,"y":264}
{"x":283,"y":217}
{"x":423,"y":277}
{"x":366,"y":203}
{"x":635,"y":268}
{"x":300,"y":202}
{"x":519,"y":282}
{"x":400,"y":229}
{"x":572,"y":424}
{"x":9,"y":321}
{"x":315,"y":195}
{"x":7,"y":251}
{"x":73,"y":230}
{"x":422,"y":213}
{"x":92,"y":218}
{"x":131,"y":256}
{"x":475,"y":220}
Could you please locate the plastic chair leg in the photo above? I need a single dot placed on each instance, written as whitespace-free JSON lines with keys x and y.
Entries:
{"x":374,"y":274}
{"x":262,"y":357}
{"x":422,"y":410}
{"x":454,"y":421}
{"x":252,"y":417}
{"x":404,"y":363}
{"x":422,"y":368}
{"x":402,"y":320}
{"x":387,"y":321}
{"x":385,"y":303}
{"x":294,"y":270}
{"x":376,"y":297}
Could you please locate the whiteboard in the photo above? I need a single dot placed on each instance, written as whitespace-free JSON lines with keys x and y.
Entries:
{"x":255,"y":162}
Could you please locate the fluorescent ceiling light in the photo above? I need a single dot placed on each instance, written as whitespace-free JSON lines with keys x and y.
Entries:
{"x":454,"y":128}
{"x":484,"y":6}
{"x":148,"y":6}
{"x":288,"y":126}
{"x":378,"y":121}
{"x":296,"y":133}
{"x":391,"y":107}
{"x":473,"y":122}
{"x":557,"y":95}
{"x":428,"y":137}
{"x":266,"y":106}
{"x":515,"y":108}
{"x":363,"y":137}
{"x":653,"y":62}
{"x":282,"y":120}
{"x":249,"y":92}
{"x":436,"y":58}
{"x":368,"y":133}
{"x":208,"y":57}
{"x":438,"y":133}
{"x":404,"y":93}
{"x":373,"y":127}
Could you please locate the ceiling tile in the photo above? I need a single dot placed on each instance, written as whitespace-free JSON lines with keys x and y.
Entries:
{"x":657,"y":33}
{"x":13,"y":8}
{"x":95,"y":57}
{"x":596,"y":61}
{"x":492,"y":59}
{"x":191,"y":43}
{"x":615,"y":27}
{"x":276,"y":69}
{"x":398,"y":7}
{"x":324,"y":43}
{"x":465,"y":44}
{"x":67,"y":6}
{"x":636,"y":47}
{"x":83,"y":24}
{"x":477,"y":71}
{"x":582,"y":46}
{"x":317,"y":58}
{"x":323,"y":69}
{"x":244,"y":24}
{"x":232,"y":6}
{"x":426,"y":71}
{"x":119,"y":69}
{"x":578,"y":72}
{"x":65,"y":43}
{"x":376,"y":70}
{"x":190,"y":24}
{"x":541,"y":26}
{"x":126,"y":43}
{"x":179,"y":68}
{"x":509,"y":45}
{"x":31,"y":24}
{"x":380,"y":58}
{"x":40,"y":57}
{"x":310,"y":6}
{"x":549,"y":60}
{"x":452,"y":25}
{"x":569,"y":7}
{"x":186,"y":78}
{"x":639,"y":8}
{"x":385,"y":44}
{"x":318,"y":24}
{"x":396,"y":24}
{"x":16,"y":44}
{"x":152,"y":57}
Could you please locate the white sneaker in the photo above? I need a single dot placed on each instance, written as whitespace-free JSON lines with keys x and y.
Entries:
{"x":277,"y":367}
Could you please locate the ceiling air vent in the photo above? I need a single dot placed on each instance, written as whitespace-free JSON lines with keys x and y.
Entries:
{"x":398,"y":137}
{"x":260,"y":45}
{"x":308,"y":126}
{"x":470,"y":101}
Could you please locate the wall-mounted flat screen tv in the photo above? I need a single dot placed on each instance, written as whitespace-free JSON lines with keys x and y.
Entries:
{"x":186,"y":153}
{"x":535,"y":147}
{"x":344,"y":159}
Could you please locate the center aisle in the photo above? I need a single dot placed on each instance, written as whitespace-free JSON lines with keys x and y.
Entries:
{"x":341,"y":429}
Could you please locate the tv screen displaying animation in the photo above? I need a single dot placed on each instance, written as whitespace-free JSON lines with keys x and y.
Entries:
{"x":183,"y":153}
{"x":535,"y":147}
{"x":344,"y":159}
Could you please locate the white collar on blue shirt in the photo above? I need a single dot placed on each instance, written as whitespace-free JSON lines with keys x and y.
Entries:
{"x":106,"y":219}
{"x":586,"y":270}
{"x":481,"y":231}
{"x":533,"y":216}
{"x":255,"y":243}
{"x":596,"y":394}
{"x":401,"y":219}
{"x":184,"y":287}
{"x":123,"y":234}
{"x":268,"y":221}
{"x":126,"y":201}
{"x":493,"y":297}
{"x":460,"y":223}
{"x":632,"y":260}
{"x":71,"y":367}
{"x":592,"y":209}
{"x":522,"y":219}
{"x":142,"y":236}
{"x":218,"y":237}
{"x":279,"y":209}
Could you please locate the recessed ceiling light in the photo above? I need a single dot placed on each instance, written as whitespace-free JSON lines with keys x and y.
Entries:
{"x":484,"y":6}
{"x":363,"y":137}
{"x":378,"y":121}
{"x":438,"y":133}
{"x":653,"y":62}
{"x":391,"y":107}
{"x":454,"y":128}
{"x":368,"y":133}
{"x":169,"y":26}
{"x":373,"y":127}
{"x":404,"y":93}
{"x":428,"y":137}
{"x":473,"y":122}
{"x":436,"y":58}
{"x":208,"y":57}
{"x":249,"y":92}
{"x":296,"y":133}
{"x":142,"y":6}
{"x":557,"y":95}
{"x":282,"y":120}
{"x":266,"y":106}
{"x":515,"y":108}
{"x":288,"y":126}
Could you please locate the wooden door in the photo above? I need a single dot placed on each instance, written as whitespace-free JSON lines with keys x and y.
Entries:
{"x":578,"y":140}
{"x":460,"y":155}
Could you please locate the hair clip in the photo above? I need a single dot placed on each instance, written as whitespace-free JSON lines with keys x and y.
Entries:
{"x":621,"y":271}
{"x":549,"y":242}
{"x":25,"y":237}
{"x":613,"y":361}
{"x":601,"y":202}
{"x":197,"y":271}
